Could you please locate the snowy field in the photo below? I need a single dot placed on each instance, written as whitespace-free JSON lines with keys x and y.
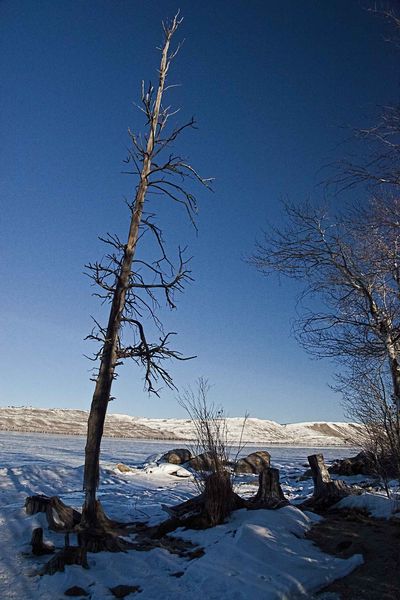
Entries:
{"x":257,"y":554}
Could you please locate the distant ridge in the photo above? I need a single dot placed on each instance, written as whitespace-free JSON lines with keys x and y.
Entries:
{"x":59,"y":421}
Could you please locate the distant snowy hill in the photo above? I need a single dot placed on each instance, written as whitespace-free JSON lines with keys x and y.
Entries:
{"x":259,"y":431}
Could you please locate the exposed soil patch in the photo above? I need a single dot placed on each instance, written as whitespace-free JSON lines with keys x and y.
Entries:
{"x":325,"y":429}
{"x":344,"y":533}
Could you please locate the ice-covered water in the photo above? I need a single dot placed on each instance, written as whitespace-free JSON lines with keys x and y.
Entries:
{"x":28,"y":448}
{"x":41,"y":463}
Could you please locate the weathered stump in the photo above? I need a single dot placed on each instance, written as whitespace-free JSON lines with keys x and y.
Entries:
{"x":36,"y":504}
{"x":209,"y":508}
{"x":98,"y":540}
{"x":269,"y":494}
{"x":219,"y":498}
{"x":186,"y":509}
{"x":60,"y":517}
{"x":39,"y":547}
{"x":326,"y":492}
{"x":71,"y":555}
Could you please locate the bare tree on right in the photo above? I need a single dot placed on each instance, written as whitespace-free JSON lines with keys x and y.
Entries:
{"x":349,"y":309}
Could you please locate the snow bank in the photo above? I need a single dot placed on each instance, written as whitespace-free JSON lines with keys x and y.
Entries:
{"x":167,"y":469}
{"x":377,"y":505}
{"x":260,"y":555}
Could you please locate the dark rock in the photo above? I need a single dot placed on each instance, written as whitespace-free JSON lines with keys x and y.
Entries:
{"x":306,"y":475}
{"x":177,"y":456}
{"x":202,"y":462}
{"x":75,"y":590}
{"x":120,"y":591}
{"x":355,"y":465}
{"x":365,"y":463}
{"x":254,"y":462}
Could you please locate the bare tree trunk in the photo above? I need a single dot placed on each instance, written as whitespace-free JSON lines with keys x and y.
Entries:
{"x":395,"y":373}
{"x":108,"y":359}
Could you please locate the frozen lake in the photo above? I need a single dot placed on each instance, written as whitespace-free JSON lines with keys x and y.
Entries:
{"x":34,"y":461}
{"x":30,"y":448}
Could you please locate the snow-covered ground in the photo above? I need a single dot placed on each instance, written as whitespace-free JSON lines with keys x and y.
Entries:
{"x":256,"y":554}
{"x":73,"y":422}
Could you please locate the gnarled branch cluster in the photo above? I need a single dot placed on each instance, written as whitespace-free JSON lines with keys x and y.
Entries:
{"x":351,"y":268}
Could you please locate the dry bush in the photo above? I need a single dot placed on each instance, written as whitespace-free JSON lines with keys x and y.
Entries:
{"x":368,"y":400}
{"x":214,"y":477}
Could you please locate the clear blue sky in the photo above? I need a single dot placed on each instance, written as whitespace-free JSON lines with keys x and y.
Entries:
{"x":271,"y":83}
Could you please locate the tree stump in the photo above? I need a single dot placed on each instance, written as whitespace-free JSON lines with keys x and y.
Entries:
{"x":71,"y":555}
{"x":326,"y":491}
{"x":270,"y":494}
{"x":209,"y":508}
{"x":36,"y":504}
{"x":186,"y":509}
{"x":60,"y":517}
{"x":219,"y":498}
{"x":39,"y":547}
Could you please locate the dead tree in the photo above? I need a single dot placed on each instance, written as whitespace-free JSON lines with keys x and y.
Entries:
{"x":129,"y":283}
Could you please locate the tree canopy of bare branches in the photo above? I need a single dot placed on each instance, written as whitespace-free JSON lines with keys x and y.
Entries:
{"x":351,"y":272}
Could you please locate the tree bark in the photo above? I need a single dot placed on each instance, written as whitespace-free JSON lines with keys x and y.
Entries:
{"x":395,"y":373}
